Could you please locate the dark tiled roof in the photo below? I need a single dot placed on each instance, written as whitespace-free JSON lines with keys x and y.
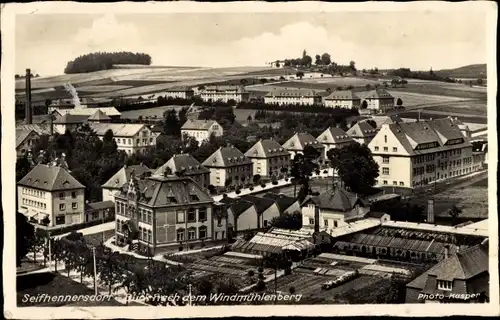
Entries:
{"x":342,"y":95}
{"x":292,"y":93}
{"x":50,"y":178}
{"x":198,"y":124}
{"x":123,"y":176}
{"x":71,"y":119}
{"x":362,"y":129}
{"x":284,"y":202}
{"x":334,"y":135}
{"x":261,"y":204}
{"x":225,"y":88}
{"x":99,"y":116}
{"x":377,"y":215}
{"x":265,"y":149}
{"x":378,"y":93}
{"x":101,"y":205}
{"x":226,"y":157}
{"x":182,"y":162}
{"x":240,"y":206}
{"x":41,"y":128}
{"x":300,"y":140}
{"x":21,"y":135}
{"x":338,"y":199}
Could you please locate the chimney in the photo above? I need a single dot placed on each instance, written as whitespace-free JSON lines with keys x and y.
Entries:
{"x":430,"y":211}
{"x":446,"y":251}
{"x":28,"y":108}
{"x":316,"y":219}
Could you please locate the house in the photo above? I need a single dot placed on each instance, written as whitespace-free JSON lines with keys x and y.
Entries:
{"x":332,"y":209}
{"x":162,"y":213}
{"x":362,"y":132}
{"x":461,"y":277}
{"x":201,"y":130}
{"x":229,"y":167}
{"x":69,"y":122}
{"x":414,"y":154}
{"x":342,"y":99}
{"x":109,"y":111}
{"x":379,"y":100}
{"x":25,"y":139}
{"x":102,"y":210}
{"x":51,"y":196}
{"x":266,"y":208}
{"x":185,"y":165}
{"x":224,"y":93}
{"x":268,"y":158}
{"x":130,"y":138}
{"x":277,"y":64}
{"x":39,"y":128}
{"x":304,"y":97}
{"x":179,"y":93}
{"x":382,"y":216}
{"x":99,"y":116}
{"x":299,"y":141}
{"x":334,"y":138}
{"x":242,"y":216}
{"x":285,"y":204}
{"x":113,"y":186}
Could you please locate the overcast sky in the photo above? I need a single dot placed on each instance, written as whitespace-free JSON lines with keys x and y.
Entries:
{"x":45,"y":43}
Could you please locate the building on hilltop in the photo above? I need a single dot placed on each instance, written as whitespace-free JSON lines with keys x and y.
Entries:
{"x":201,"y":130}
{"x":185,"y":165}
{"x":163,"y":213}
{"x":461,"y":277}
{"x":379,"y":100}
{"x":229,"y":167}
{"x":130,"y":138}
{"x":334,"y":138}
{"x":113,"y":186}
{"x":299,"y":141}
{"x":362,"y":132}
{"x":268,"y":158}
{"x":342,"y":99}
{"x":224,"y":93}
{"x":415,"y":154}
{"x":286,"y":96}
{"x":51,"y":196}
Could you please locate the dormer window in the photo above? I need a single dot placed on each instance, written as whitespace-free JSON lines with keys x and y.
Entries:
{"x":444,"y":285}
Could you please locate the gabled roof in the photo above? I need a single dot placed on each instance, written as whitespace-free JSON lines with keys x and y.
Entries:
{"x":198,"y":124}
{"x":119,"y":129}
{"x":378,"y":93}
{"x":182,"y":162}
{"x":226,"y":157}
{"x":22,"y":134}
{"x":99,"y":116}
{"x":71,"y":119}
{"x":179,"y":89}
{"x":261,"y":204}
{"x":362,"y":129}
{"x":284,"y":202}
{"x":300,"y":140}
{"x":342,"y":95}
{"x":225,"y":88}
{"x":38,"y":128}
{"x":109,"y":111}
{"x":101,"y":205}
{"x":50,"y":178}
{"x":168,"y":191}
{"x":265,"y":149}
{"x":239,"y":206}
{"x":372,"y":214}
{"x":463,"y":265}
{"x":337,"y":199}
{"x":123,"y":176}
{"x":334,"y":135}
{"x":292,"y":93}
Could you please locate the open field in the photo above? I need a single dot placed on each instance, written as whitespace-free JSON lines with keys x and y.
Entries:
{"x":102,"y":88}
{"x":441,"y":89}
{"x":412,"y":98}
{"x":437,"y":115}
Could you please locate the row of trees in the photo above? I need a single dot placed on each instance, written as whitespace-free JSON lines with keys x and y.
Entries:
{"x":431,"y":75}
{"x":105,"y":60}
{"x":323,"y":61}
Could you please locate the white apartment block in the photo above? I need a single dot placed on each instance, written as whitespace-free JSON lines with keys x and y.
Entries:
{"x":416,"y":154}
{"x":130,"y":138}
{"x":224,"y":93}
{"x":293,"y":97}
{"x":201,"y":130}
{"x":342,"y":99}
{"x":379,"y":100}
{"x":334,"y":138}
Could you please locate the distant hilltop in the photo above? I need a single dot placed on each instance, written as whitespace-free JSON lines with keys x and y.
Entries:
{"x":473,"y":71}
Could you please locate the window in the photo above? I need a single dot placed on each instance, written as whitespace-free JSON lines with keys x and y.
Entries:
{"x":62,"y":207}
{"x":202,"y":214}
{"x":60,"y":219}
{"x":74,"y":205}
{"x":194,"y":197}
{"x":180,"y":216}
{"x":326,"y":223}
{"x":191,"y":234}
{"x":191,"y":215}
{"x":138,"y":141}
{"x":385,"y":170}
{"x":180,"y":235}
{"x":265,"y":223}
{"x":376,"y":148}
{"x":401,"y":183}
{"x":73,"y":194}
{"x":219,"y":222}
{"x":394,"y":183}
{"x":385,"y":139}
{"x":61,"y":195}
{"x":335,"y":223}
{"x":385,"y":182}
{"x":311,"y":221}
{"x":394,"y":149}
{"x":129,"y":141}
{"x":385,"y":159}
{"x":444,"y":285}
{"x":386,"y":149}
{"x":202,"y":232}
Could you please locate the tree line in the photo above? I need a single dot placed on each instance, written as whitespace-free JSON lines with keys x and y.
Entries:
{"x":105,"y":60}
{"x":322,"y":62}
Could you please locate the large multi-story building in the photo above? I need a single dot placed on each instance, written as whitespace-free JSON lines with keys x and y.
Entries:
{"x":113,"y":186}
{"x":362,"y":132}
{"x":224,"y":93}
{"x":342,"y":99}
{"x":334,"y":138}
{"x":51,"y":196}
{"x":130,"y":138}
{"x":417,"y":153}
{"x":185,"y":165}
{"x":299,"y":141}
{"x":228,"y":166}
{"x":268,"y":158}
{"x":180,"y":92}
{"x":163,"y":213}
{"x":25,"y":139}
{"x":201,"y":130}
{"x":285,"y":96}
{"x":379,"y":100}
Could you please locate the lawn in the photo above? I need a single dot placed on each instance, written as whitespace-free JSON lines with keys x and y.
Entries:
{"x":95,"y":239}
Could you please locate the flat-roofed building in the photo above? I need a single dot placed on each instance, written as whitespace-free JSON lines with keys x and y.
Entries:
{"x":224,"y":93}
{"x":417,"y":153}
{"x":305,"y":97}
{"x":268,"y":157}
{"x":201,"y":130}
{"x":342,"y":99}
{"x":229,"y":167}
{"x":129,"y":137}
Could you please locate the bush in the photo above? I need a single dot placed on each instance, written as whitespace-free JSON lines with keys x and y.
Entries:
{"x":181,"y":248}
{"x":317,"y":171}
{"x":263,"y":185}
{"x":286,"y":179}
{"x":275,"y":182}
{"x":260,"y":269}
{"x":261,"y":285}
{"x":238,"y":191}
{"x":261,"y":276}
{"x":251,"y":273}
{"x":251,"y":188}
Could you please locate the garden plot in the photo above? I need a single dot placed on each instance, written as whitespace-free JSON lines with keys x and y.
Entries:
{"x":472,"y":200}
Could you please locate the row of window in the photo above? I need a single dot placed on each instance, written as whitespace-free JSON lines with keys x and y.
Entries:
{"x":62,"y":206}
{"x":145,"y":235}
{"x":394,"y":183}
{"x":386,"y":149}
{"x":325,"y":221}
{"x":191,"y":233}
{"x":36,"y":204}
{"x":62,"y":195}
{"x":239,"y":169}
{"x":190,"y":215}
{"x":33,"y":192}
{"x":144,"y":215}
{"x":129,"y":141}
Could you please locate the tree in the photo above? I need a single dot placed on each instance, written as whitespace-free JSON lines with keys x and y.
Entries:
{"x":368,"y":86}
{"x":291,"y":221}
{"x":479,"y":81}
{"x":364,"y":104}
{"x":105,"y":60}
{"x":399,"y":102}
{"x":355,"y":166}
{"x":326,"y":59}
{"x":171,"y":123}
{"x":454,"y":212}
{"x":385,"y":84}
{"x":25,"y":237}
{"x":404,"y":82}
{"x":301,"y":168}
{"x":300,"y":74}
{"x":352,"y":65}
{"x":256,"y":179}
{"x":318,"y":61}
{"x":243,"y":81}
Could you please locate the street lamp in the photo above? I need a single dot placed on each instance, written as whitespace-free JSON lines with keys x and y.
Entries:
{"x":95,"y":271}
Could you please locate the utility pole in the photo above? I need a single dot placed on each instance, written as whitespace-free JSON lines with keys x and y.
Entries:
{"x":189,"y":286}
{"x":50,"y":250}
{"x":95,"y":271}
